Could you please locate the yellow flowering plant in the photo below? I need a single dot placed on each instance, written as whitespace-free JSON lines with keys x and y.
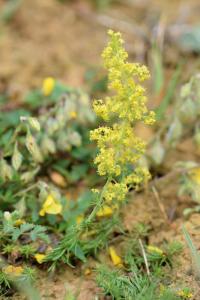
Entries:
{"x":119,"y":147}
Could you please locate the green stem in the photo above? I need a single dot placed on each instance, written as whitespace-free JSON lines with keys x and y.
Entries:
{"x":100,"y":201}
{"x":27,"y":189}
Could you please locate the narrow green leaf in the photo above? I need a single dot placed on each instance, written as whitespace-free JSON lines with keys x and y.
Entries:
{"x":161,"y":109}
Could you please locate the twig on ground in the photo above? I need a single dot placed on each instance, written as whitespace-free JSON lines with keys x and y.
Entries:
{"x":145,"y":257}
{"x":161,"y":206}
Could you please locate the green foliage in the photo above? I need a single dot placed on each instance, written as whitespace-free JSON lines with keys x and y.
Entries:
{"x":45,"y":149}
{"x":14,"y":232}
{"x":22,"y":281}
{"x":34,"y":146}
{"x":190,"y":39}
{"x":161,"y":110}
{"x":82,"y":240}
{"x":131,"y":286}
{"x":133,"y":282}
{"x":27,"y":251}
{"x":4,"y":281}
{"x":183,"y":122}
{"x":96,"y":80}
{"x":158,"y":68}
{"x":193,"y":251}
{"x":115,"y":154}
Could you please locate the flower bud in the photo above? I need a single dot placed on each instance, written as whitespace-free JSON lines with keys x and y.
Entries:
{"x":75,"y":139}
{"x":7,"y":215}
{"x":157,"y":152}
{"x":63,"y":142}
{"x":44,"y":191}
{"x":33,"y":148}
{"x":6,"y":171}
{"x":16,"y":158}
{"x":186,"y":90}
{"x":52,"y":126}
{"x":48,"y":146}
{"x":34,"y":123}
{"x":29,"y":175}
{"x":174,"y":132}
{"x":188,"y":112}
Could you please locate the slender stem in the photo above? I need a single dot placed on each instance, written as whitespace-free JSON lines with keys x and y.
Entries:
{"x":145,"y":257}
{"x":27,"y":189}
{"x":100,"y":201}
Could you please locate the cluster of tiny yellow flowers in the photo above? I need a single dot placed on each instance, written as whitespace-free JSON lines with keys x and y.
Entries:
{"x":185,"y":294}
{"x":119,"y":147}
{"x":13,"y":271}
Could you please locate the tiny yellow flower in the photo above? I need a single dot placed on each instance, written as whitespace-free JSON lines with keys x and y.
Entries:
{"x":155,"y":250}
{"x":162,"y":288}
{"x":79,"y":219}
{"x":116,"y":259}
{"x":105,"y":211}
{"x":19,"y":222}
{"x":12,"y":270}
{"x":95,"y":191}
{"x":87,"y":271}
{"x":73,"y":114}
{"x":39,"y":257}
{"x":48,"y":86}
{"x":51,"y":206}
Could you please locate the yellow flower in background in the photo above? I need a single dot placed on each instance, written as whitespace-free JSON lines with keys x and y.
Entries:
{"x":194,"y":174}
{"x":39,"y":257}
{"x":73,"y":114}
{"x":105,"y":211}
{"x":19,"y":222}
{"x":155,"y":250}
{"x":116,"y":259}
{"x":48,"y":86}
{"x":51,"y":206}
{"x":87,"y":271}
{"x":79,"y":219}
{"x":12,"y":270}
